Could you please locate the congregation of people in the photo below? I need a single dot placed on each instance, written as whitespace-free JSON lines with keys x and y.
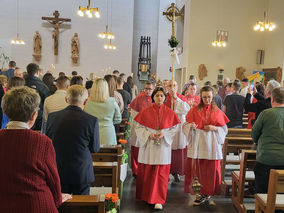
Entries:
{"x":50,"y":126}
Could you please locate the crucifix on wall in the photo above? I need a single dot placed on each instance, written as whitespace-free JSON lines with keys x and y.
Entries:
{"x":56,"y":21}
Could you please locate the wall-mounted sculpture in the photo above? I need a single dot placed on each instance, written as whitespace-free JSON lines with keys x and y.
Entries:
{"x":240,"y":73}
{"x":75,"y":48}
{"x":37,"y":46}
{"x":202,"y":71}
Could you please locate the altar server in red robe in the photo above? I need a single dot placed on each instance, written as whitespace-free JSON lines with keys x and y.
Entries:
{"x":206,"y":131}
{"x":142,"y":101}
{"x":155,"y":129}
{"x":179,"y":146}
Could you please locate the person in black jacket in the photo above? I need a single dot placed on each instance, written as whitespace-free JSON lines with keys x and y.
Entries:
{"x":125,"y":96}
{"x":262,"y":102}
{"x":33,"y":81}
{"x":75,"y":135}
{"x":126,"y":86}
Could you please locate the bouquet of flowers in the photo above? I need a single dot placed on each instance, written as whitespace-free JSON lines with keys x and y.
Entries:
{"x":110,"y":200}
{"x":123,"y":143}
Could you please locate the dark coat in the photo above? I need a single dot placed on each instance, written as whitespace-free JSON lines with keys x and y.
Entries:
{"x":75,"y":135}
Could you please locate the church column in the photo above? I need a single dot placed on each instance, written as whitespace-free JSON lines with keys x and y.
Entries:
{"x":146,"y":23}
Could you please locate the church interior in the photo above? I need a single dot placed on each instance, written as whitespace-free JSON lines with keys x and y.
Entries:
{"x":167,"y":47}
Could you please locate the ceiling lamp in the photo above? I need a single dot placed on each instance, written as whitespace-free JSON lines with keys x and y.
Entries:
{"x":17,"y":40}
{"x":221,"y":39}
{"x":88,"y":11}
{"x":110,"y":46}
{"x":106,"y":34}
{"x":264,"y":25}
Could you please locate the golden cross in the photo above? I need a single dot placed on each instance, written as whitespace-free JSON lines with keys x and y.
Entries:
{"x":56,"y":21}
{"x":172,"y":14}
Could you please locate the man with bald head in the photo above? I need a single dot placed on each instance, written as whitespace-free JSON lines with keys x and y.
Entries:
{"x":179,"y":150}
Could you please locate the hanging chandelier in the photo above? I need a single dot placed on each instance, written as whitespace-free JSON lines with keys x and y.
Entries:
{"x":221,"y":39}
{"x":17,"y":40}
{"x":264,"y":25}
{"x":88,"y":11}
{"x":110,"y":46}
{"x":106,"y":34}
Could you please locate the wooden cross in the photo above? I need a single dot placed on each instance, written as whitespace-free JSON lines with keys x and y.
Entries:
{"x":172,"y":14}
{"x":56,"y":21}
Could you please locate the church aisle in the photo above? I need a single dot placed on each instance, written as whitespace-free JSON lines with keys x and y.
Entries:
{"x":177,"y":201}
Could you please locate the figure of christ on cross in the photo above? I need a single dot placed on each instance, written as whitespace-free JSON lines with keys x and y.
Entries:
{"x":56,"y":21}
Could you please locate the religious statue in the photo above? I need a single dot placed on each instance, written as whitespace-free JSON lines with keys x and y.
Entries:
{"x":75,"y":48}
{"x":240,"y":73}
{"x":202,"y":71}
{"x":37,"y":46}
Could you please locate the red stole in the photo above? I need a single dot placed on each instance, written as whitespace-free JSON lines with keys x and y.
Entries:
{"x":156,"y":117}
{"x":140,"y":102}
{"x":168,"y":99}
{"x":208,"y":115}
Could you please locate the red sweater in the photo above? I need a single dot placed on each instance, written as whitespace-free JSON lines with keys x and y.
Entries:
{"x":29,"y":180}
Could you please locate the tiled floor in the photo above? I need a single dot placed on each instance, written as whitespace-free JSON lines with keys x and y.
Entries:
{"x":177,"y":201}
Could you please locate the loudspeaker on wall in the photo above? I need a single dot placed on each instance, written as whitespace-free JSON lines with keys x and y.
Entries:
{"x":259,"y":56}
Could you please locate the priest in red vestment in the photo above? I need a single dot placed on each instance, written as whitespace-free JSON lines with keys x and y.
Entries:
{"x":143,"y":100}
{"x":179,"y":146}
{"x":155,"y":129}
{"x":206,"y":131}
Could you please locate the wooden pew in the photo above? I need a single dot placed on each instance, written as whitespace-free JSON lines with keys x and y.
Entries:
{"x":267,"y":203}
{"x":106,"y":175}
{"x":239,"y":132}
{"x":245,"y":124}
{"x":246,"y":174}
{"x":84,"y":204}
{"x":110,"y":154}
{"x":232,"y":144}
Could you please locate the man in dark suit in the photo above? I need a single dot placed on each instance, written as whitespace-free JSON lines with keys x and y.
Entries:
{"x":33,"y":81}
{"x":75,"y":135}
{"x":10,"y":72}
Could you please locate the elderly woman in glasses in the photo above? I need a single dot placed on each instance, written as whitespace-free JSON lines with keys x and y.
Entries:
{"x":205,"y":129}
{"x":31,"y":182}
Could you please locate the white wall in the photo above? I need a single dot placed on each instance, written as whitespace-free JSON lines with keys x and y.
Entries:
{"x":274,"y":41}
{"x":93,"y":57}
{"x":237,"y":17}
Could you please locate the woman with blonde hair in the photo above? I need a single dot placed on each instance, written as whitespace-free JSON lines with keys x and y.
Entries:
{"x":105,"y":109}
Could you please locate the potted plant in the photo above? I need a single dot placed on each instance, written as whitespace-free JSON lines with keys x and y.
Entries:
{"x":110,"y":201}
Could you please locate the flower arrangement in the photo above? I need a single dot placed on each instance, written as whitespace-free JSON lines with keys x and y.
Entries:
{"x":110,"y":201}
{"x":173,"y":42}
{"x":123,"y":142}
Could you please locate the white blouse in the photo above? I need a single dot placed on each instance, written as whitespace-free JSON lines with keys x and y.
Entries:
{"x":205,"y":145}
{"x":181,"y":108}
{"x":150,"y":152}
